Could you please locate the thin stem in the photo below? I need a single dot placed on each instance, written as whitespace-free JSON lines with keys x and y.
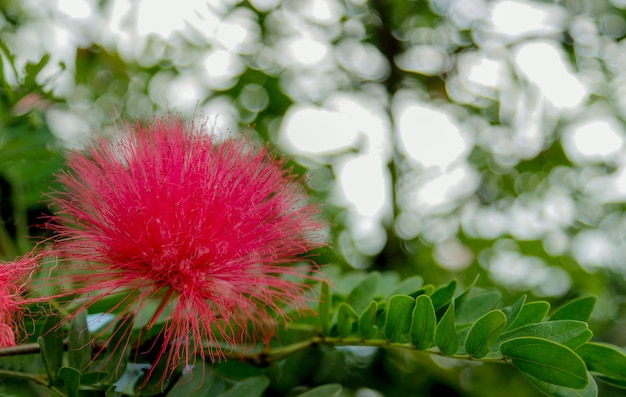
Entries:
{"x":18,"y":350}
{"x":275,"y":354}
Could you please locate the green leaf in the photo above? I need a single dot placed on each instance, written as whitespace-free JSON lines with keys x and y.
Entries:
{"x":236,"y":369}
{"x":484,"y":333}
{"x":613,"y":382}
{"x":112,"y":392}
{"x":330,"y":390}
{"x":442,"y":296}
{"x":71,"y":379}
{"x":424,"y":323}
{"x":579,"y":340}
{"x":591,"y":390}
{"x":408,"y":286}
{"x":91,"y":378}
{"x":135,"y":383}
{"x":363,"y":293}
{"x":367,"y":321}
{"x":251,"y":387}
{"x":51,"y":343}
{"x":578,"y":309}
{"x":446,"y":338}
{"x":195,"y":382}
{"x":217,"y":387}
{"x":532,"y":312}
{"x":476,"y":305}
{"x":548,"y":361}
{"x":79,"y":342}
{"x":567,"y":332}
{"x":605,"y":360}
{"x":113,"y":303}
{"x":399,"y":317}
{"x":324,"y":308}
{"x":513,"y":312}
{"x":346,"y":316}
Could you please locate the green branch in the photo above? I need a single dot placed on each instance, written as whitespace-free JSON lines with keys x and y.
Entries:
{"x":275,"y":354}
{"x":38,"y":379}
{"x":18,"y":350}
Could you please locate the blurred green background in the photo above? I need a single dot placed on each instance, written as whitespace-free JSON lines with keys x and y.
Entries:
{"x":446,"y":138}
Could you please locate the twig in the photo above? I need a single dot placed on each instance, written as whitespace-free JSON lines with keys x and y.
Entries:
{"x":39,"y":379}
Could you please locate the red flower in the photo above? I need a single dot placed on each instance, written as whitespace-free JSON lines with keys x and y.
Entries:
{"x":197,"y":229}
{"x":13,"y":278}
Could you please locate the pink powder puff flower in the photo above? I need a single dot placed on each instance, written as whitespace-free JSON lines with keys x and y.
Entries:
{"x":200,"y":228}
{"x":13,"y":278}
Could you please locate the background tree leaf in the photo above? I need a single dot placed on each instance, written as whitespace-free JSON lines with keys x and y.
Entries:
{"x":32,"y":71}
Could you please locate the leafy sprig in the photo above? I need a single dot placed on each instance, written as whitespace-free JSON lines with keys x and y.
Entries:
{"x":555,"y":353}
